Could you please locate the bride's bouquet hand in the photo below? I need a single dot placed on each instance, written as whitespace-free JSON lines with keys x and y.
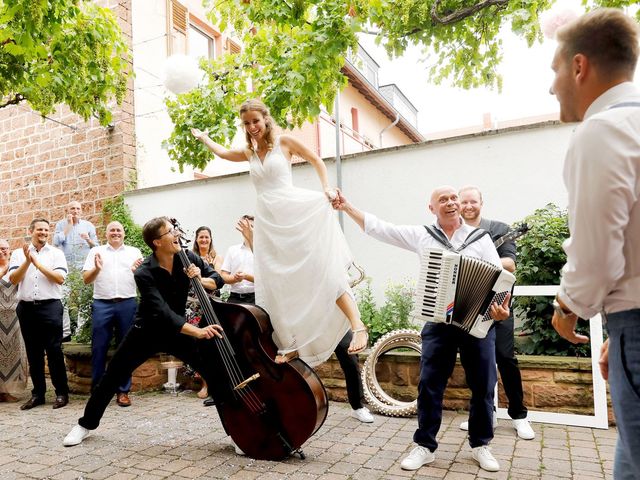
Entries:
{"x":331,"y":193}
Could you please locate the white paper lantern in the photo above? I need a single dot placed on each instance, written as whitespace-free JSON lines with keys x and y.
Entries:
{"x":181,"y":74}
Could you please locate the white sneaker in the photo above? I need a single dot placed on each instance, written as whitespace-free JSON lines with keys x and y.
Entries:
{"x":465,"y":425}
{"x":75,"y":436}
{"x":484,"y":457}
{"x":238,"y":449}
{"x":418,"y":457}
{"x":363,"y":414}
{"x":523,"y":428}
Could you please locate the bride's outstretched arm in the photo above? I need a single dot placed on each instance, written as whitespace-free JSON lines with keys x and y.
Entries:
{"x":296,"y":147}
{"x":219,"y":150}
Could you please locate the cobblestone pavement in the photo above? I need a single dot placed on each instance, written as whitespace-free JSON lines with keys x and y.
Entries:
{"x":166,"y":436}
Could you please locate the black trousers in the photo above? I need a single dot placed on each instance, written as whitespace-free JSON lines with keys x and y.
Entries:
{"x":249,"y":298}
{"x":351,"y":368}
{"x":41,"y":326}
{"x":139,"y":344}
{"x":508,"y":368}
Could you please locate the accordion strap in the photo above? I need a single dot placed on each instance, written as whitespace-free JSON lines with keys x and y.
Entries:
{"x":441,"y":238}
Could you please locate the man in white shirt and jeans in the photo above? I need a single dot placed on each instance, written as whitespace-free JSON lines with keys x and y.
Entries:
{"x":237,"y":267}
{"x":594,"y":66}
{"x":110,"y":268}
{"x":441,"y":341}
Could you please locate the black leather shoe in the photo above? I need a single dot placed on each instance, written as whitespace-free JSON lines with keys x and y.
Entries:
{"x":32,"y":402}
{"x":209,"y":401}
{"x":61,"y":401}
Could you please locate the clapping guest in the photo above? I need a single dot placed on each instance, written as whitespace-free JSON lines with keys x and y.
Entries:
{"x":13,"y":358}
{"x":39,"y":271}
{"x":237,"y":268}
{"x":110,"y":268}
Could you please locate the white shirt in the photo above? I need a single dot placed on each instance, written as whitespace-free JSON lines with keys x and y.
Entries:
{"x":602,"y":176}
{"x":35,"y":285}
{"x":115,"y":280}
{"x":239,"y":258}
{"x":416,"y":238}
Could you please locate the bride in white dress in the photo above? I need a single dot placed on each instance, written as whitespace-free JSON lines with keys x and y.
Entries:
{"x":300,"y":254}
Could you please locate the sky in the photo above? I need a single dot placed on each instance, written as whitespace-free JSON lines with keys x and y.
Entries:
{"x":526,"y":76}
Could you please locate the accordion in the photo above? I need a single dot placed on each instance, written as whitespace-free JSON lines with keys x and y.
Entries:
{"x":459,"y":290}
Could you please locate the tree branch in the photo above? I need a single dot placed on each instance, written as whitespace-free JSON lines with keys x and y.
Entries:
{"x":457,"y":15}
{"x":13,"y":101}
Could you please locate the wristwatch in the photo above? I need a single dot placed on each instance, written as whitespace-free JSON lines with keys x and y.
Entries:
{"x":561,"y":312}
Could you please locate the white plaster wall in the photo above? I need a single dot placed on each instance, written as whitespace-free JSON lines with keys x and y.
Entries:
{"x":517,"y":171}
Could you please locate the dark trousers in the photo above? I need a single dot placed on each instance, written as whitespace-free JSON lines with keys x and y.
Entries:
{"x":41,"y":326}
{"x":249,"y":298}
{"x":440,"y":344}
{"x":138,"y":345}
{"x":108,"y":316}
{"x":351,"y":368}
{"x":508,"y":368}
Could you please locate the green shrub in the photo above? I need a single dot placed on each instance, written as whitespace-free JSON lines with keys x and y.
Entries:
{"x":393,"y":315}
{"x":540,"y":260}
{"x":78,"y":300}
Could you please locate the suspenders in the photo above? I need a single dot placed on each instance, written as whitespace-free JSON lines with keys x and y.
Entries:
{"x":442,"y":239}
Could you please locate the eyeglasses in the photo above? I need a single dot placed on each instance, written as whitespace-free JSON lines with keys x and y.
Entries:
{"x":174,"y":231}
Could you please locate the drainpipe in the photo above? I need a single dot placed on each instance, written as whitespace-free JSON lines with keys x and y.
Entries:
{"x":336,"y":109}
{"x":395,"y":122}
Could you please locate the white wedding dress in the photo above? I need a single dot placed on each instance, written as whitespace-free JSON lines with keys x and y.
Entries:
{"x":300,"y":261}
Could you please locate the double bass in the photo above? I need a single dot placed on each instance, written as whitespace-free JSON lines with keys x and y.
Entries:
{"x":269,"y":409}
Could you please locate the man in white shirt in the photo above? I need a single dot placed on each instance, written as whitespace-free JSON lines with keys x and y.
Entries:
{"x":110,"y":268}
{"x":594,"y":66}
{"x":440,"y":341}
{"x":39,"y":271}
{"x":237,"y":269}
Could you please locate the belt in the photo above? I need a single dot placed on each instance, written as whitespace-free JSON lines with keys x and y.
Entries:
{"x":113,"y":300}
{"x":40,"y":302}
{"x":242,"y":295}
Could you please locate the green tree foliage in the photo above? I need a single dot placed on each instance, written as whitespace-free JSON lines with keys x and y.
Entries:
{"x":62,"y":51}
{"x":294,"y":51}
{"x":540,"y":260}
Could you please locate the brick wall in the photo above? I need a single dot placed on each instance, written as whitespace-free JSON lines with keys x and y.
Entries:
{"x":44,"y":165}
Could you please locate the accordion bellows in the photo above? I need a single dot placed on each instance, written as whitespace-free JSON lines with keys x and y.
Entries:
{"x":459,"y":290}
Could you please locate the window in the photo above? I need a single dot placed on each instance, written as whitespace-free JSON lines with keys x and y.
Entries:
{"x":177,"y":15}
{"x":354,"y":120}
{"x":200,"y":44}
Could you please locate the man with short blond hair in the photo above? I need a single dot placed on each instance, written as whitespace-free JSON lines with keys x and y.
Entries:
{"x":75,"y":236}
{"x":594,"y":65}
{"x":110,"y":268}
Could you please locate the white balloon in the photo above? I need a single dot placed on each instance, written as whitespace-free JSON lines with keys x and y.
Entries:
{"x":181,"y":74}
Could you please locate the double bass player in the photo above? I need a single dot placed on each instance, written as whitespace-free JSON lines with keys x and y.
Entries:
{"x":160,"y":325}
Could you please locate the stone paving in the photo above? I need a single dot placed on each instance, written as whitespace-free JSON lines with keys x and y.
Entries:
{"x":167,"y":436}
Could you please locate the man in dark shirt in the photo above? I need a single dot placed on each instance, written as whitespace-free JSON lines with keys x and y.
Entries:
{"x":471,"y":207}
{"x":160,"y":325}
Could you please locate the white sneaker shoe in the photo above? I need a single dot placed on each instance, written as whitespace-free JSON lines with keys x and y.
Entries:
{"x":418,"y":457}
{"x":237,"y":449}
{"x":523,"y":428}
{"x":465,"y":425}
{"x":484,"y":457}
{"x":75,"y":436}
{"x":363,"y":414}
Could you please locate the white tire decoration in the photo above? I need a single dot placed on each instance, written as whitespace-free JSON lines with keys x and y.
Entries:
{"x":376,"y":397}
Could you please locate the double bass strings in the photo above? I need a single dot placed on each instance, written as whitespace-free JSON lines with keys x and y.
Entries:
{"x":226,"y":350}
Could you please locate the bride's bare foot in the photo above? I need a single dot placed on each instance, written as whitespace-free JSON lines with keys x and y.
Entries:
{"x":359,"y":340}
{"x":287,"y":357}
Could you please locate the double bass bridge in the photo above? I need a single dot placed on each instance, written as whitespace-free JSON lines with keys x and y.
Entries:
{"x":246,"y":382}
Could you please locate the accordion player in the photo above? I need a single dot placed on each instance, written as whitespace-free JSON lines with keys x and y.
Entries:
{"x":459,"y":290}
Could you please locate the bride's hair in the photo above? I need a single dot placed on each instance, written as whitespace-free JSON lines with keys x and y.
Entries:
{"x":257,"y":106}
